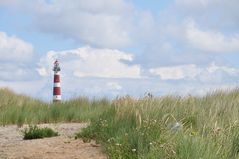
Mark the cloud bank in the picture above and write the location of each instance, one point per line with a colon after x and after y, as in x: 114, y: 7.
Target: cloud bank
x: 121, y: 49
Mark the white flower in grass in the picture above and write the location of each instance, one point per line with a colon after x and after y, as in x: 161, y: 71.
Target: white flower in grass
x: 176, y: 127
x: 134, y: 150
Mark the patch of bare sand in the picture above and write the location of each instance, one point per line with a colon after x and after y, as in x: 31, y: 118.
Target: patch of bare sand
x: 12, y: 145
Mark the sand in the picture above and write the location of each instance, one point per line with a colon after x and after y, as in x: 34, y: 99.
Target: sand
x: 12, y: 145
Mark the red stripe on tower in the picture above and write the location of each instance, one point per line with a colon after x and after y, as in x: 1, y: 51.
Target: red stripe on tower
x: 56, y: 78
x: 57, y: 91
x: 57, y: 84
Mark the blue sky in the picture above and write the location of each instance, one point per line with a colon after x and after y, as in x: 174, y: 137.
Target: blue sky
x: 110, y: 48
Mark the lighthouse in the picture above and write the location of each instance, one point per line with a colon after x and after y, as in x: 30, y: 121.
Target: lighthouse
x: 57, y: 83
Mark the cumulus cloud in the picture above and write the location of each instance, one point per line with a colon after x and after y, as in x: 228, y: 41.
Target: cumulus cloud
x: 211, y: 73
x: 103, y: 23
x: 14, y: 49
x: 15, y: 59
x: 230, y: 70
x: 172, y: 54
x: 211, y: 41
x: 91, y: 62
x: 176, y: 72
x: 89, y: 71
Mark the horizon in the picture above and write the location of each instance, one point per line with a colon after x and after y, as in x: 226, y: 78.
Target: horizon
x: 122, y: 47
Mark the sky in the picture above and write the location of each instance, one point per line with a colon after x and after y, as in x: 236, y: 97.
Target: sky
x: 111, y: 48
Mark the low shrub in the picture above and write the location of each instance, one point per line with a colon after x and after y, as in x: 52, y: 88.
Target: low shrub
x: 34, y: 132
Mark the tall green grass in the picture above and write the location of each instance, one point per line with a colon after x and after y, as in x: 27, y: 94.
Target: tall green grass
x: 19, y: 109
x: 142, y: 128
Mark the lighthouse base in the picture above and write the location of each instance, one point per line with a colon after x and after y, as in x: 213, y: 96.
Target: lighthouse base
x: 56, y: 101
x: 57, y: 98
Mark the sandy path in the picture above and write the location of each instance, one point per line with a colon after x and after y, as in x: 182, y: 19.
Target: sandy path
x: 12, y: 145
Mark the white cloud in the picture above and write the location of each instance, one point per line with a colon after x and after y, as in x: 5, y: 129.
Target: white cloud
x: 16, y: 56
x: 114, y: 24
x: 211, y: 41
x: 14, y: 49
x: 230, y: 70
x: 91, y: 62
x: 210, y: 73
x: 103, y: 23
x: 176, y: 72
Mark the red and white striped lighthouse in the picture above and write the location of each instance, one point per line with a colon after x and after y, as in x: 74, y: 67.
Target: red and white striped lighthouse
x: 57, y: 83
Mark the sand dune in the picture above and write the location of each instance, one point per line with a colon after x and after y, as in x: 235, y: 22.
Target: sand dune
x: 12, y: 145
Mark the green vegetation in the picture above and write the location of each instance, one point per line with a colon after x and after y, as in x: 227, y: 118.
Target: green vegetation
x: 34, y: 132
x: 19, y: 109
x: 144, y: 128
x: 170, y: 127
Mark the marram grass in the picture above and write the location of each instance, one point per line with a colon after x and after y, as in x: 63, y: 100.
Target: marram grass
x: 170, y: 127
x: 19, y: 109
x: 142, y: 128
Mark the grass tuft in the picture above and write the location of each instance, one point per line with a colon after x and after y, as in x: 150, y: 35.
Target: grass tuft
x: 34, y: 132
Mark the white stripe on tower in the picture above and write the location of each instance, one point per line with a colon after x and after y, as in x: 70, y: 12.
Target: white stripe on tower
x: 57, y: 84
x: 56, y: 97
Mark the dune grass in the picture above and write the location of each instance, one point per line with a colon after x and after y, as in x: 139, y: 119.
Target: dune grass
x: 169, y: 127
x: 19, y: 109
x: 142, y: 128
